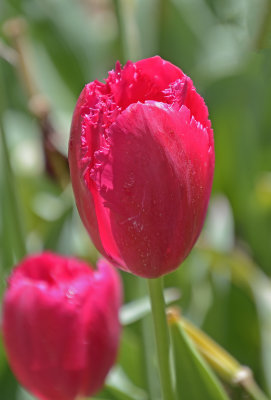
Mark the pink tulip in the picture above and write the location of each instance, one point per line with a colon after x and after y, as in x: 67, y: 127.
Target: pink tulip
x: 141, y: 157
x: 60, y: 325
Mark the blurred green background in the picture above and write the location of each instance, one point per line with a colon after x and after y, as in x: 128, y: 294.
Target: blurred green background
x: 46, y: 57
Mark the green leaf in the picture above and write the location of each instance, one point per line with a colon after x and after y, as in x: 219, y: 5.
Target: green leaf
x: 194, y: 379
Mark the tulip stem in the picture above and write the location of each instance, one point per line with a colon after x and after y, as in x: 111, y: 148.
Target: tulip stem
x: 162, y: 337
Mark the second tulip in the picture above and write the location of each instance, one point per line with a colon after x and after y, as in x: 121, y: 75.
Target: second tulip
x: 60, y: 325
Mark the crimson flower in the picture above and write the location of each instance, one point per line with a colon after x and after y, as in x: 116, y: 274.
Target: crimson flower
x: 60, y: 325
x: 141, y: 157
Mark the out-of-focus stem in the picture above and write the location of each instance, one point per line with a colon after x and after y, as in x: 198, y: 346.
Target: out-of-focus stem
x: 128, y: 29
x: 162, y: 4
x: 265, y: 27
x: 19, y: 245
x: 15, y: 219
x: 251, y: 387
x: 15, y: 30
x: 121, y: 39
x: 55, y: 162
x: 226, y: 366
x: 162, y: 337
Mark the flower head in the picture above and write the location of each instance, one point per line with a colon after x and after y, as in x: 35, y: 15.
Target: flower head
x: 60, y: 325
x: 141, y: 157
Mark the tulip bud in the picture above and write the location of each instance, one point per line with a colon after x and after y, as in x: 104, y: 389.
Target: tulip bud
x: 60, y: 325
x: 141, y: 157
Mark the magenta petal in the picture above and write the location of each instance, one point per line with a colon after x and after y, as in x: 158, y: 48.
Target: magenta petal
x: 89, y: 207
x: 141, y: 81
x: 142, y: 159
x: 162, y: 71
x: 60, y: 325
x: 157, y: 160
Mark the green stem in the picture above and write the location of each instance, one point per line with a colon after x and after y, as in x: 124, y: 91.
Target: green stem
x: 162, y: 336
x: 15, y: 218
x: 19, y: 246
x: 148, y: 346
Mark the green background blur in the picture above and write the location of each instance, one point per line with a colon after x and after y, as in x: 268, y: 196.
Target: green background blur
x: 224, y: 46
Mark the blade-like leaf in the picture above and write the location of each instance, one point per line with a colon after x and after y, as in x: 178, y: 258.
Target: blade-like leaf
x: 194, y: 379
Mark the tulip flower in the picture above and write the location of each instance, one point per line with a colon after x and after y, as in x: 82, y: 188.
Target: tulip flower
x: 141, y: 157
x: 60, y: 325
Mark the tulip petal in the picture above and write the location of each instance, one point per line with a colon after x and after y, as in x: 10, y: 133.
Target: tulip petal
x: 60, y: 325
x: 149, y: 182
x: 161, y: 70
x: 141, y: 81
x: 142, y: 160
x: 80, y: 157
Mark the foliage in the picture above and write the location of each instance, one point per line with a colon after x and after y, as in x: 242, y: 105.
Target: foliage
x: 224, y: 46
